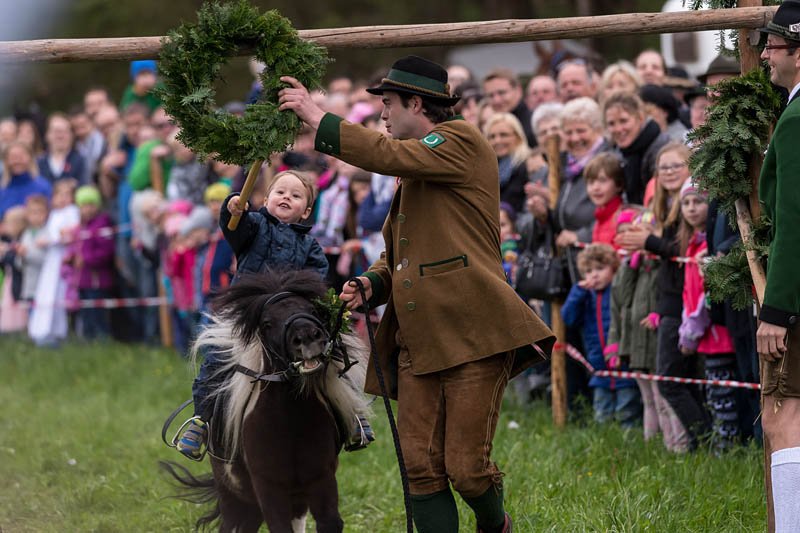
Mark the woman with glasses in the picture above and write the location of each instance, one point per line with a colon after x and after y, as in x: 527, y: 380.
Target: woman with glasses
x: 685, y: 400
x: 636, y: 138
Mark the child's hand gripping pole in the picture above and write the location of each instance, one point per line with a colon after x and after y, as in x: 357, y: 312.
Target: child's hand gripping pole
x: 247, y: 190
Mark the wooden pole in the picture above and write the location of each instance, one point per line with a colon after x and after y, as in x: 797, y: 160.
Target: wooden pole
x: 745, y: 228
x: 750, y: 60
x: 495, y: 31
x: 558, y: 361
x: 749, y: 56
x: 164, y: 318
x: 247, y: 190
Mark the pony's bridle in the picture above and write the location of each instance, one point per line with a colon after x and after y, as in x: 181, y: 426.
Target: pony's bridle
x: 291, y: 369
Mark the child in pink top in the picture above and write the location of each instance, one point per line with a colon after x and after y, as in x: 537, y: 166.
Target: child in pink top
x: 697, y: 334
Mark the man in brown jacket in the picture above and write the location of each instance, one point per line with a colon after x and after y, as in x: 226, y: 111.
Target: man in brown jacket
x: 454, y: 331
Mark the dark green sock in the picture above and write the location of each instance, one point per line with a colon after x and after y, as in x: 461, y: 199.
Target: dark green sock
x: 435, y: 513
x: 488, y: 508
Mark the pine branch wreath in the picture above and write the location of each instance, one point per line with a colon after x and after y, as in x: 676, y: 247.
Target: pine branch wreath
x: 190, y: 62
x: 736, y: 130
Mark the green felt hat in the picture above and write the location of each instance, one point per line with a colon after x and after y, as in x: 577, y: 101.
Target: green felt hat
x: 417, y: 75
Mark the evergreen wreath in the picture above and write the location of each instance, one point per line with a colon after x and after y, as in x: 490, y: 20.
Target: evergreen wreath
x: 190, y: 61
x: 736, y: 130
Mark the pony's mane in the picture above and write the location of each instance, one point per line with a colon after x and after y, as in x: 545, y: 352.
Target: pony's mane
x: 234, y: 334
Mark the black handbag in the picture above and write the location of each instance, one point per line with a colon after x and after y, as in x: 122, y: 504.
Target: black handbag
x: 541, y: 275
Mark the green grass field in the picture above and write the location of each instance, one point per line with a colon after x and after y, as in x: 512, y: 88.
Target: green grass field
x: 80, y: 441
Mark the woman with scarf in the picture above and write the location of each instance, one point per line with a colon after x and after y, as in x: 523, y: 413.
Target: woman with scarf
x: 506, y: 136
x: 637, y: 139
x: 582, y: 134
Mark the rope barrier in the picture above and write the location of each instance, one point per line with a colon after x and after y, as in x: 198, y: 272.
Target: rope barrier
x: 578, y: 356
x: 626, y: 253
x: 101, y: 303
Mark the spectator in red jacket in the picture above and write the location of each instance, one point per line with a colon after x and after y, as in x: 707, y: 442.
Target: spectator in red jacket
x: 604, y: 185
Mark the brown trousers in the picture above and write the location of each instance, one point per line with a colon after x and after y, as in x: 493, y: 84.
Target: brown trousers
x: 779, y: 379
x: 447, y: 421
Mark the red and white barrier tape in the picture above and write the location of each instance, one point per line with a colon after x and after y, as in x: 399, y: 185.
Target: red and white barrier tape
x: 625, y: 253
x: 109, y: 231
x: 578, y: 356
x: 103, y: 303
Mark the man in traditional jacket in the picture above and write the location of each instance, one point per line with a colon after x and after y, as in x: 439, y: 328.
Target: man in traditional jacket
x: 454, y: 331
x: 778, y: 335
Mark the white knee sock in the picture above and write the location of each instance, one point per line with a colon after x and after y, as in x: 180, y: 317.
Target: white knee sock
x: 785, y: 489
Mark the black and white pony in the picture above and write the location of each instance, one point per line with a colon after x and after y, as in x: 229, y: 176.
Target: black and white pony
x: 286, y: 411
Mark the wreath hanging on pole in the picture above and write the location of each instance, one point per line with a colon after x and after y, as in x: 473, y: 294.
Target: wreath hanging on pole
x: 190, y: 62
x: 736, y: 129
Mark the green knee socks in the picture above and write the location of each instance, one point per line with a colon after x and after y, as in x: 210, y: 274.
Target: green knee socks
x: 488, y: 508
x: 435, y: 513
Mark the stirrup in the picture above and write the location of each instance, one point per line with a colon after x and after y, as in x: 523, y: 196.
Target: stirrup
x: 179, y: 434
x: 363, y: 433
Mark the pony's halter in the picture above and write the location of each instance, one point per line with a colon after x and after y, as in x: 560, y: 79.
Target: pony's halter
x: 283, y: 354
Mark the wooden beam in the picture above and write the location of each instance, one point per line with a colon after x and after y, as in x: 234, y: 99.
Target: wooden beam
x: 497, y: 31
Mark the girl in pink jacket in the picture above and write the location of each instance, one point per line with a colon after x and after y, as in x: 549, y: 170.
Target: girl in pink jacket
x: 698, y: 336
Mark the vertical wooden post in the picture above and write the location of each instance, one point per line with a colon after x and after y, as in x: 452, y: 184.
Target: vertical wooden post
x: 164, y: 318
x: 750, y: 59
x: 558, y: 361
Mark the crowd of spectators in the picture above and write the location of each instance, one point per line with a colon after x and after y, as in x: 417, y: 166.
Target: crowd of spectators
x: 105, y: 202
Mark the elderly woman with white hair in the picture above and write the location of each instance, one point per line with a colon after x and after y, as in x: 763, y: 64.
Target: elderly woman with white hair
x: 581, y: 130
x: 546, y: 121
x: 580, y: 125
x: 507, y: 138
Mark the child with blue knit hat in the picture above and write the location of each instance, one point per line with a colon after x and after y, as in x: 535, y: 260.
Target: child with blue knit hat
x: 143, y: 81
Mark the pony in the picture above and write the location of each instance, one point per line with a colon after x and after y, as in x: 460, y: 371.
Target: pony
x: 286, y: 409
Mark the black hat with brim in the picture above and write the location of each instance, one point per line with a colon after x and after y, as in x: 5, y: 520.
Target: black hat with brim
x: 416, y: 75
x: 786, y: 22
x: 694, y: 92
x: 660, y: 97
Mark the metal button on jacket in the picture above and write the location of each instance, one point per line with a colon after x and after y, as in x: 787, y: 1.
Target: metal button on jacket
x: 407, y: 283
x: 403, y: 242
x: 411, y: 306
x: 404, y: 262
x: 401, y: 218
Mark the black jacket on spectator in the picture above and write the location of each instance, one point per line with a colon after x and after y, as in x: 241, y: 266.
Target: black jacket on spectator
x: 524, y: 115
x: 670, y: 273
x: 513, y: 191
x: 639, y: 160
x: 75, y: 167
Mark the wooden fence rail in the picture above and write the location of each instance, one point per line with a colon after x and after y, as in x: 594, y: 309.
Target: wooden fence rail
x: 497, y: 31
